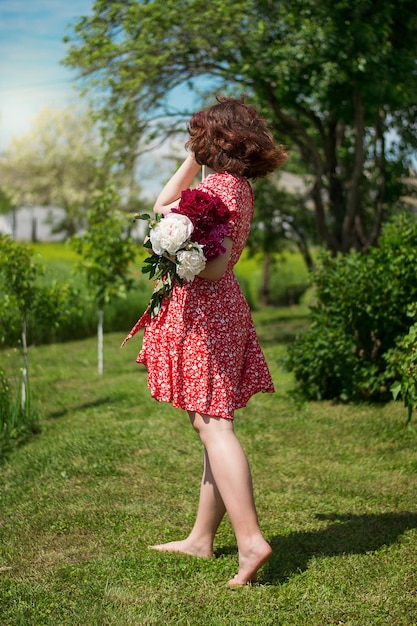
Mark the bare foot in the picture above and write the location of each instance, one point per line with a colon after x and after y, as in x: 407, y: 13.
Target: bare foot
x: 184, y: 547
x: 251, y: 562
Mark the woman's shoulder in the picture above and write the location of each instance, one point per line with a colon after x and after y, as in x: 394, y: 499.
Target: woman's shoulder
x: 229, y: 177
x: 235, y: 191
x: 226, y: 181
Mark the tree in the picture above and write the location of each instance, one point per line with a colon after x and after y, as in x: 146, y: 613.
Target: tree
x: 21, y: 291
x: 336, y: 80
x: 106, y: 255
x: 281, y: 218
x: 59, y: 163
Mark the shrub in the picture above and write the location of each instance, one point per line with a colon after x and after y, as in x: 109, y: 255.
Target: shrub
x: 360, y: 312
x: 402, y: 360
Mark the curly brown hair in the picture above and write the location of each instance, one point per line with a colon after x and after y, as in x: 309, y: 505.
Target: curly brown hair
x: 232, y: 137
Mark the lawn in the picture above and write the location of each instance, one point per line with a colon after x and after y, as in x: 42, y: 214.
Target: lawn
x: 113, y: 471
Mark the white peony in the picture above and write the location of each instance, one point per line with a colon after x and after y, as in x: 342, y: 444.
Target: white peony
x: 170, y: 233
x: 190, y: 262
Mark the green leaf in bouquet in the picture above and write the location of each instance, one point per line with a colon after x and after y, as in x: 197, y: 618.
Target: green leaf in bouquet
x: 159, y: 288
x: 156, y: 302
x: 155, y: 270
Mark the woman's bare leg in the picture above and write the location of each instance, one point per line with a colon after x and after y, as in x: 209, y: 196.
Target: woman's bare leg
x: 231, y: 474
x: 209, y: 515
x: 210, y: 511
x: 226, y: 485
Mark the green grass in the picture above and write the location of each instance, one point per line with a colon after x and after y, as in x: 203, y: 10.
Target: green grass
x: 113, y: 471
x: 58, y: 258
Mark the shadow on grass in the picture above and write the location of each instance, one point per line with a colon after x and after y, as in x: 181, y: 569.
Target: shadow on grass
x: 79, y: 407
x: 347, y: 534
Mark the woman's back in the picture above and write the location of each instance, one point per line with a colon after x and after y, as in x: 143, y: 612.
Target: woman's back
x: 236, y: 193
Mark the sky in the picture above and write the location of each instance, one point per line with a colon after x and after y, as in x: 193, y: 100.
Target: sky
x: 32, y: 76
x: 31, y: 50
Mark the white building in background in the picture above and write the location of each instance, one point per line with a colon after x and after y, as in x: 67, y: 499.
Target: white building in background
x: 37, y: 223
x: 5, y: 227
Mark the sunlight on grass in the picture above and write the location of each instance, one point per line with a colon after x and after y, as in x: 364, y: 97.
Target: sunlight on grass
x: 113, y: 471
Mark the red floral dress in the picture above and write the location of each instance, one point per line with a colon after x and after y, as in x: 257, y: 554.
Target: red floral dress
x: 201, y: 350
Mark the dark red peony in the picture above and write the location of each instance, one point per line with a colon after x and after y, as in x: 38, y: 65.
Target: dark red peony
x: 209, y: 216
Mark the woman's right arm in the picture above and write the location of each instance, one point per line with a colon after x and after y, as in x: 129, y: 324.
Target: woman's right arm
x: 180, y: 181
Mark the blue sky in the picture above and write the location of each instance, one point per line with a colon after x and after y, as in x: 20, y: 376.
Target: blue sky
x: 31, y: 48
x: 32, y: 76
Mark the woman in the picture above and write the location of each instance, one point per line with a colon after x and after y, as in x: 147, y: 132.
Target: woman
x: 201, y: 350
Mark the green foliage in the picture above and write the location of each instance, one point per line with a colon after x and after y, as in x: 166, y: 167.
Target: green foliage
x: 75, y: 318
x: 21, y: 293
x: 58, y: 163
x: 288, y: 282
x: 332, y: 78
x: 18, y: 274
x: 6, y: 203
x: 402, y: 360
x: 106, y: 252
x: 360, y: 313
x: 72, y: 316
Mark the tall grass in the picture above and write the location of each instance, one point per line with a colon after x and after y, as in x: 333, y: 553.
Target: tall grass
x: 18, y: 421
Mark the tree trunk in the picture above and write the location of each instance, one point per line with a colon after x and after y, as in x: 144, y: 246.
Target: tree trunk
x: 24, y: 396
x: 34, y: 234
x: 100, y: 340
x: 380, y: 164
x: 353, y: 201
x: 14, y: 221
x: 265, y: 279
x: 305, y: 252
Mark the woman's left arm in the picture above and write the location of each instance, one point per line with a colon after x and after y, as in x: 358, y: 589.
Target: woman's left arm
x: 216, y: 268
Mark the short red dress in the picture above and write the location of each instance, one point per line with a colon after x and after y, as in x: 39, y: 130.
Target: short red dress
x: 201, y: 350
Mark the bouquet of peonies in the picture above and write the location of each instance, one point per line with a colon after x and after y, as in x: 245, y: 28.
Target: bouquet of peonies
x: 183, y: 241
